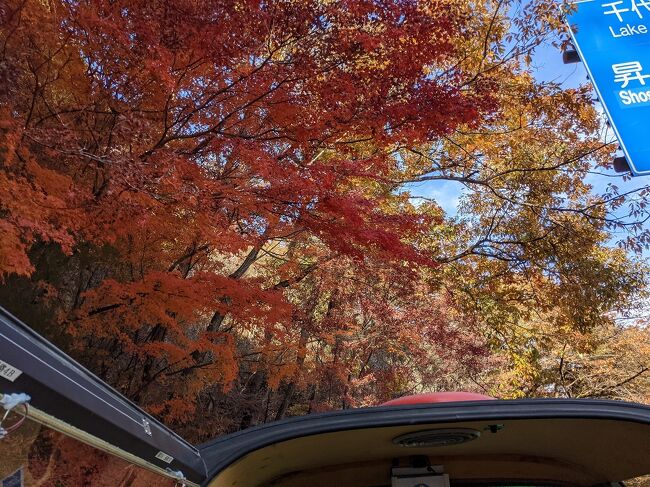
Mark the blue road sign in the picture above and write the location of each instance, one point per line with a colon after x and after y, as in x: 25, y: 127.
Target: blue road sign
x: 613, y: 40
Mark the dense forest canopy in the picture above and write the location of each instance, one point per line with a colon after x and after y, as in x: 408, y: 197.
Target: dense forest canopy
x: 210, y: 204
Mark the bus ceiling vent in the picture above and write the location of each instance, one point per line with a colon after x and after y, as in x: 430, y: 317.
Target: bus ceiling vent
x: 438, y: 397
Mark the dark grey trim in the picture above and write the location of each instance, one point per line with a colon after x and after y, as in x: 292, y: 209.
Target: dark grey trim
x: 64, y: 389
x: 223, y: 451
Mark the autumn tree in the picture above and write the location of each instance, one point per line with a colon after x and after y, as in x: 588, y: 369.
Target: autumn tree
x: 211, y: 204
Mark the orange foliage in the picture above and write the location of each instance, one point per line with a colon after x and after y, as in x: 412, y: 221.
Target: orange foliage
x: 170, y: 150
x: 203, y: 199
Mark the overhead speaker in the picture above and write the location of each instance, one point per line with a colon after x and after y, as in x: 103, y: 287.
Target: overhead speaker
x: 437, y: 437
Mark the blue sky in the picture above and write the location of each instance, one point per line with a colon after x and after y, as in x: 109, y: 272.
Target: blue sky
x: 547, y: 66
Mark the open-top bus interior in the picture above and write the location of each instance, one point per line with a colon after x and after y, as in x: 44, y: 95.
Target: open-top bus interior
x: 512, y: 452
x: 64, y: 427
